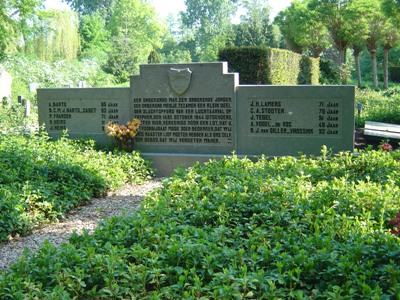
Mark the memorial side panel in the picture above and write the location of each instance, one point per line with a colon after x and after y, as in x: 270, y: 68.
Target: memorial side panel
x: 290, y: 120
x: 82, y: 112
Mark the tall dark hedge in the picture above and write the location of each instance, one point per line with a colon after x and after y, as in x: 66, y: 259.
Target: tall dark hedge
x: 394, y: 74
x: 249, y: 62
x: 263, y: 65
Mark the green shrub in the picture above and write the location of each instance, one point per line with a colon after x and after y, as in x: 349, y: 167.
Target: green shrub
x: 42, y: 180
x: 27, y: 70
x: 329, y: 71
x: 287, y: 228
x: 379, y: 106
x: 13, y: 119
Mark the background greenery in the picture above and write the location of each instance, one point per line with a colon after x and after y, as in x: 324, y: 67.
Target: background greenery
x: 111, y: 38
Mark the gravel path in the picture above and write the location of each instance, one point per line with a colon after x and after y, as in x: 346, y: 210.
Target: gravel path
x: 86, y: 217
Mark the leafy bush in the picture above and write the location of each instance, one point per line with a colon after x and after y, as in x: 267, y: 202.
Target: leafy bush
x: 13, y: 119
x: 42, y: 180
x: 26, y: 71
x: 285, y: 228
x: 379, y: 106
x: 329, y: 72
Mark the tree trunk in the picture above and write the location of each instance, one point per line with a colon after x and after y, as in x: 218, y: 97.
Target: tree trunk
x: 342, y: 65
x: 358, y: 69
x: 374, y: 69
x: 386, y: 68
x: 341, y: 57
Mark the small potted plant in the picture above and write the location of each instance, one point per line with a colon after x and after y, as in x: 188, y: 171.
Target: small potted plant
x: 124, y: 134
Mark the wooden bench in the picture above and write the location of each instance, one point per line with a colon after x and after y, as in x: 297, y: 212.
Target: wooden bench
x: 381, y: 131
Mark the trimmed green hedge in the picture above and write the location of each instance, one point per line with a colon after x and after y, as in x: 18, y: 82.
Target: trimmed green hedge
x: 309, y: 71
x: 250, y: 62
x: 283, y: 67
x: 262, y: 65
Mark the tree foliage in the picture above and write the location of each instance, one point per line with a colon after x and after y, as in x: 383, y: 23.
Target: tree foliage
x: 377, y: 25
x: 90, y: 7
x: 210, y: 25
x: 391, y: 8
x: 120, y: 34
x: 25, y: 10
x: 175, y: 47
x: 15, y: 19
x: 56, y: 36
x: 255, y: 28
x: 360, y: 32
x: 95, y: 38
x: 135, y: 31
x: 303, y: 30
x: 332, y: 14
x: 154, y: 57
x: 7, y: 29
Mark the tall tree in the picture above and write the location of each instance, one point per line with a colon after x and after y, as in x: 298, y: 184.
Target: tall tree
x: 276, y: 37
x: 391, y: 9
x: 210, y: 24
x: 358, y: 32
x: 174, y: 49
x: 391, y: 37
x: 90, y: 7
x: 136, y: 31
x: 332, y: 14
x: 288, y: 26
x: 302, y: 29
x: 95, y: 38
x: 15, y: 23
x: 7, y: 29
x: 255, y: 28
x: 25, y: 10
x: 377, y: 23
x: 56, y: 35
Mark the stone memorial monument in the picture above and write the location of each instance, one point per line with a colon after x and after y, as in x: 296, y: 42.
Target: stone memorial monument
x: 194, y: 112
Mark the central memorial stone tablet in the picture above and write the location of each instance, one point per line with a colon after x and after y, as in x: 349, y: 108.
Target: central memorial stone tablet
x: 194, y: 112
x: 185, y: 109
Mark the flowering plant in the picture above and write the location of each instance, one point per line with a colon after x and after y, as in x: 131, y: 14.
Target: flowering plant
x: 124, y: 134
x: 396, y: 224
x: 386, y: 147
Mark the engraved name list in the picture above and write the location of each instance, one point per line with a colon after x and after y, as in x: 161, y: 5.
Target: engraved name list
x: 185, y: 120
